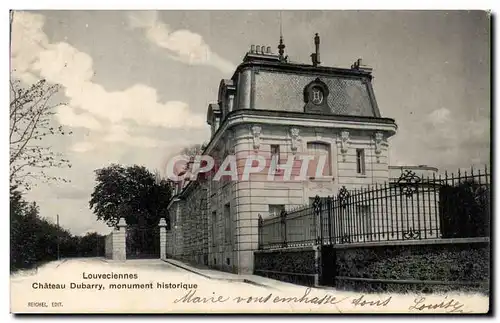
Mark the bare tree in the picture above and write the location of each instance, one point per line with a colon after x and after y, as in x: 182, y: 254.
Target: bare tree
x: 31, y: 113
x: 193, y: 150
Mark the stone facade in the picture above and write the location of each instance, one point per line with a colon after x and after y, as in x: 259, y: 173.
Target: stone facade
x: 292, y: 110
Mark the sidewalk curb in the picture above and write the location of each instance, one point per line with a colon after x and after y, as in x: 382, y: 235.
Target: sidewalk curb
x: 241, y: 280
x: 186, y: 268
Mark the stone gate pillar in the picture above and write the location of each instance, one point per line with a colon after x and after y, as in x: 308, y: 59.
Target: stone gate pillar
x: 119, y: 241
x: 163, y: 238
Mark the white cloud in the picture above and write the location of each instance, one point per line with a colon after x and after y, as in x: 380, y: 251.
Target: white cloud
x: 28, y: 40
x: 439, y: 116
x: 120, y: 134
x: 183, y: 45
x: 67, y: 116
x: 82, y: 147
x: 62, y: 63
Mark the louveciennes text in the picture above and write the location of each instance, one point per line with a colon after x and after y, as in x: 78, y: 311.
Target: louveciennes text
x: 85, y: 286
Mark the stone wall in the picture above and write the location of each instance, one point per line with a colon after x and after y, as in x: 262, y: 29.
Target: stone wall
x: 115, y: 245
x: 108, y: 251
x: 221, y: 242
x: 294, y: 265
x: 414, y: 266
x: 194, y: 225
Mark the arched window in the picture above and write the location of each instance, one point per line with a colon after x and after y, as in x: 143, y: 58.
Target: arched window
x: 316, y: 150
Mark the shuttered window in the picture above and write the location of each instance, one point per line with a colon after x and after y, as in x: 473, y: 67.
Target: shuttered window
x: 317, y: 149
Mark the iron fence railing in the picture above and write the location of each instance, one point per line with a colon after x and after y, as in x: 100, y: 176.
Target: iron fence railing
x: 410, y: 207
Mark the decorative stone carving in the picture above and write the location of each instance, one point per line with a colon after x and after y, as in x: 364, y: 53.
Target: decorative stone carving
x: 294, y: 133
x: 344, y: 142
x: 379, y: 137
x: 316, y: 97
x: 256, y: 130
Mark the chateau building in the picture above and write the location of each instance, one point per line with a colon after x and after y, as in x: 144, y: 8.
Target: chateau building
x: 282, y: 112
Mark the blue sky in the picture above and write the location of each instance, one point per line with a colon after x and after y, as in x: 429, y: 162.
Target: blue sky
x: 138, y: 83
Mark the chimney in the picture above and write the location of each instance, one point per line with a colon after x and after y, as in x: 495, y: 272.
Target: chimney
x: 281, y: 50
x: 263, y: 49
x: 316, y: 43
x: 252, y: 49
x: 269, y: 49
x: 358, y: 65
x: 315, y: 56
x: 258, y: 49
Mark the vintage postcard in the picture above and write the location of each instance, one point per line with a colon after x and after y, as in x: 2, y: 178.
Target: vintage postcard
x: 328, y: 161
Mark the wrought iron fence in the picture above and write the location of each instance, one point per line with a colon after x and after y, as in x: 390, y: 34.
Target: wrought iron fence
x: 410, y: 207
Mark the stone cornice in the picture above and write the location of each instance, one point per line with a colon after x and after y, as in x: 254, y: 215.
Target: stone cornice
x: 299, y: 119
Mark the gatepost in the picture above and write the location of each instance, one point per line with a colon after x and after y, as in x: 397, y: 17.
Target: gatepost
x: 119, y: 241
x: 163, y: 238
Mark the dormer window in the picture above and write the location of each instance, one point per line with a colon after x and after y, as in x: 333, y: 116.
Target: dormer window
x: 227, y: 90
x: 214, y: 117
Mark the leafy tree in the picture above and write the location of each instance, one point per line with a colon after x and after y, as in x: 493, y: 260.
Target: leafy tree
x: 133, y: 192
x: 34, y: 240
x: 31, y: 113
x: 91, y: 244
x: 465, y: 209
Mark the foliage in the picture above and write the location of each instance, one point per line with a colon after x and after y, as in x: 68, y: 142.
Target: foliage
x: 465, y: 210
x: 133, y: 192
x: 34, y: 240
x: 190, y: 153
x: 31, y: 111
x: 446, y: 262
x: 193, y: 150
